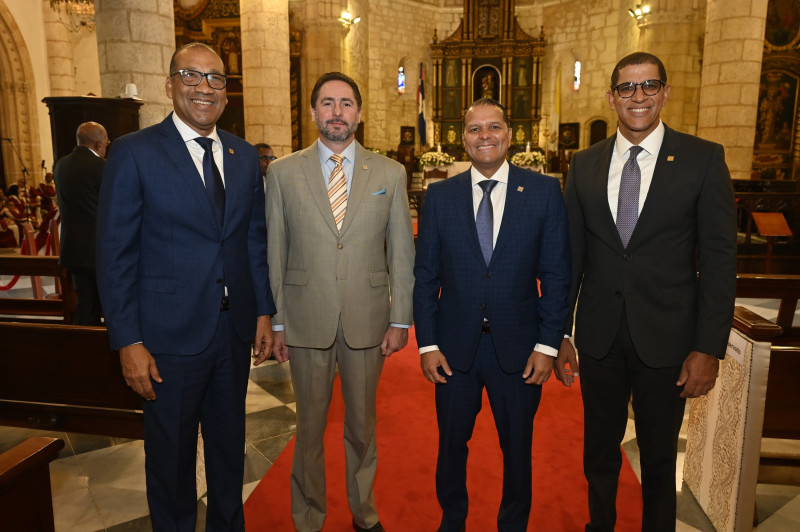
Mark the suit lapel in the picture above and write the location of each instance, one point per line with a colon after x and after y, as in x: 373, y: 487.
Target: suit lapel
x: 599, y: 187
x: 358, y: 187
x: 514, y: 198
x: 466, y: 213
x: 312, y: 170
x: 662, y: 177
x: 176, y: 150
x: 234, y: 184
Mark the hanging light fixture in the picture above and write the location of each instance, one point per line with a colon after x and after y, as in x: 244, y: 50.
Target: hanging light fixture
x: 75, y: 14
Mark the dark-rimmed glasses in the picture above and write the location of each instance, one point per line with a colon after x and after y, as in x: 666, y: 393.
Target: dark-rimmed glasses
x: 267, y: 157
x: 651, y: 87
x: 193, y: 78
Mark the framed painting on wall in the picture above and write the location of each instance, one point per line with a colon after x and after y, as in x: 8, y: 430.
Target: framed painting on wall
x: 568, y: 136
x: 407, y: 135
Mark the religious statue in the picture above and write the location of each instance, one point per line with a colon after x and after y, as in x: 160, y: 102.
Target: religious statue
x: 487, y: 86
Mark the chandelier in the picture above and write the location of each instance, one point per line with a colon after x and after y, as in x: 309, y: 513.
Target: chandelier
x: 75, y: 14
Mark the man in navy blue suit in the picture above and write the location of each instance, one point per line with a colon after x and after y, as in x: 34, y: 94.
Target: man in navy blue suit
x: 183, y: 278
x: 485, y: 237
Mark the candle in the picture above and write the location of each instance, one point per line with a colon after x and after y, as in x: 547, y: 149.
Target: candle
x: 528, y: 148
x: 439, y: 148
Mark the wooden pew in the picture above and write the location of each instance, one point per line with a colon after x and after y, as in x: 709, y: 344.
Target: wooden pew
x: 55, y: 376
x: 779, y: 459
x: 26, y: 502
x: 62, y: 307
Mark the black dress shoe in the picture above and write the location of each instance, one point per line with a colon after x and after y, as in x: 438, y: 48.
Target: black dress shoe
x: 377, y: 527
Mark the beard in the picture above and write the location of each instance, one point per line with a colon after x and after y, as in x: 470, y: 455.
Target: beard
x: 336, y: 136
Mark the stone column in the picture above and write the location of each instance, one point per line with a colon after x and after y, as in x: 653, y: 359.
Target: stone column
x: 265, y: 78
x: 673, y: 32
x: 59, y: 54
x: 321, y: 53
x: 135, y: 41
x: 734, y: 44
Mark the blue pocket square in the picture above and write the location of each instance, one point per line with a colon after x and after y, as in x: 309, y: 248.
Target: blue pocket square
x: 379, y: 193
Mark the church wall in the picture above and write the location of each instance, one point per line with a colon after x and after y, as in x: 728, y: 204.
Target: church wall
x: 401, y: 32
x: 87, y: 65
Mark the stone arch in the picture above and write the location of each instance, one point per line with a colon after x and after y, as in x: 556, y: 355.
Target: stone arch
x: 18, y: 114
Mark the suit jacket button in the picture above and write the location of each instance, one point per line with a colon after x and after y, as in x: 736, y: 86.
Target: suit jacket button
x: 219, y: 281
x: 489, y: 275
x: 626, y: 257
x: 339, y: 246
x: 618, y: 293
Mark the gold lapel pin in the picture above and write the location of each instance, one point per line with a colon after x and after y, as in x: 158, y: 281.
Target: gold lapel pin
x: 670, y: 158
x: 364, y: 167
x: 230, y: 150
x: 520, y: 189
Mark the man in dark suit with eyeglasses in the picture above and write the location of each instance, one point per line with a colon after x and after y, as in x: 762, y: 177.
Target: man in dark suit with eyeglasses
x: 653, y: 228
x: 183, y: 276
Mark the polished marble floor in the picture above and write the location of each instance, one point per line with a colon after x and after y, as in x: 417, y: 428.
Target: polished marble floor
x: 98, y: 482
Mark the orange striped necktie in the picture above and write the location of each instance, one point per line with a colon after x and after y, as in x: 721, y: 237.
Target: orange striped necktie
x: 337, y: 190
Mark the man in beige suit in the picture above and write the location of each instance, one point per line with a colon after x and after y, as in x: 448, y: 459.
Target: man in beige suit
x: 339, y: 242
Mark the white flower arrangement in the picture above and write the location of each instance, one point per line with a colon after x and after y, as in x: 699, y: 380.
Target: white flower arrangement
x: 436, y: 158
x: 528, y: 158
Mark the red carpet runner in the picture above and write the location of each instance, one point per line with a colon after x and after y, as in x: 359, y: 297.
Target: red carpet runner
x: 407, y: 439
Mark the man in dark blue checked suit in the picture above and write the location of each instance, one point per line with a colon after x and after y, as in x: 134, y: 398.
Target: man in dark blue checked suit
x: 485, y: 237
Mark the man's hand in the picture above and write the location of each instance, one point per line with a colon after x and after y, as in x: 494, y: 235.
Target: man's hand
x: 262, y: 345
x: 279, y: 350
x: 538, y: 368
x: 430, y: 362
x: 395, y: 339
x: 138, y: 367
x: 566, y: 355
x: 698, y: 374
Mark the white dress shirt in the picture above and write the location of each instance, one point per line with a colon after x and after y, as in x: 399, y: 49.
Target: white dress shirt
x: 646, y: 159
x: 196, y: 150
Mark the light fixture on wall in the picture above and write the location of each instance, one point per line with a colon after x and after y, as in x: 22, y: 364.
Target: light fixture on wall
x: 75, y: 14
x: 639, y: 11
x: 348, y: 19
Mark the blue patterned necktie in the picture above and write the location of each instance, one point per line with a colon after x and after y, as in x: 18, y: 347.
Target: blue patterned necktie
x: 484, y: 221
x: 215, y: 189
x: 628, y: 202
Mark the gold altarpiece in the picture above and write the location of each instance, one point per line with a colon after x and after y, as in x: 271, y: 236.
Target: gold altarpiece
x: 488, y: 56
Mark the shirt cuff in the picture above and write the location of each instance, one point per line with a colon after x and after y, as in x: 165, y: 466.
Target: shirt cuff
x: 428, y: 349
x: 400, y: 325
x: 276, y: 328
x: 546, y: 349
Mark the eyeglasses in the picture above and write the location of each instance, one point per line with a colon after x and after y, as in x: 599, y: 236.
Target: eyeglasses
x: 651, y: 87
x: 267, y: 157
x: 193, y: 78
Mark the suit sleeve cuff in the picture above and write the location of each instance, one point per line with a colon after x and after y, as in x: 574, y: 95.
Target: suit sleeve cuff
x: 547, y: 350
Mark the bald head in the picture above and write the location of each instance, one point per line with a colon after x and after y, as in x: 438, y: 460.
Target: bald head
x: 93, y: 136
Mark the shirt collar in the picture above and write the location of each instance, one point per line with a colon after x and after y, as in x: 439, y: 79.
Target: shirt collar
x: 188, y: 133
x: 325, y: 152
x: 501, y: 175
x: 651, y: 144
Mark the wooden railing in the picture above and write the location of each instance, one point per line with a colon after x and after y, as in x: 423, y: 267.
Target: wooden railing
x: 55, y: 376
x: 25, y: 500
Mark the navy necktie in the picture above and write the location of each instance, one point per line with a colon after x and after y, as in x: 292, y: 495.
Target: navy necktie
x: 484, y: 221
x: 215, y: 189
x: 628, y: 201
